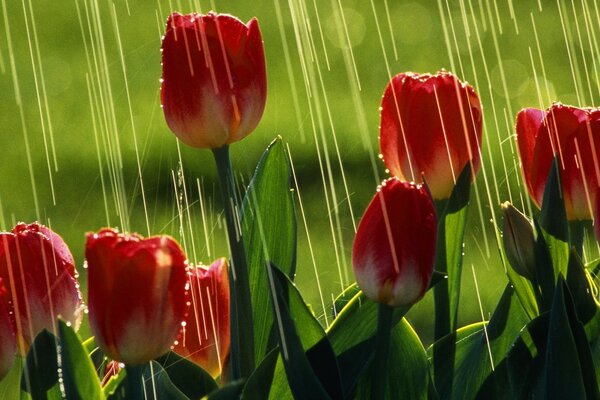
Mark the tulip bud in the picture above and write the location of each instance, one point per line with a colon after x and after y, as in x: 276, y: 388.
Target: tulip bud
x: 214, y: 83
x: 7, y: 335
x: 430, y: 129
x: 394, y: 248
x: 205, y: 338
x: 519, y: 241
x: 137, y: 294
x: 572, y: 134
x: 39, y: 274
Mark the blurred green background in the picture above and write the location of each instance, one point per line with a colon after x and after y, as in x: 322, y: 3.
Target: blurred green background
x: 85, y: 144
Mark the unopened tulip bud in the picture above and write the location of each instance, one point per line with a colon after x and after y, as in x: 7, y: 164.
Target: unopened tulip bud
x: 394, y: 248
x: 519, y: 241
x: 137, y: 294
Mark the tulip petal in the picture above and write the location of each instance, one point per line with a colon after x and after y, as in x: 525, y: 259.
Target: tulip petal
x: 205, y: 338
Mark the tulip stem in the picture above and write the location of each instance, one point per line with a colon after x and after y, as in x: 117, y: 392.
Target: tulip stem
x: 242, y: 330
x: 135, y: 382
x: 381, y: 357
x: 440, y: 291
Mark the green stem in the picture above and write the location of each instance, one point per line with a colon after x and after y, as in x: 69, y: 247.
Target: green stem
x: 382, y: 348
x: 242, y: 330
x: 440, y: 291
x: 441, y: 298
x: 135, y: 382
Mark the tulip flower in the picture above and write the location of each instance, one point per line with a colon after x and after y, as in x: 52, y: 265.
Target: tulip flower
x: 39, y: 274
x: 214, y: 83
x: 572, y: 134
x: 204, y: 338
x: 394, y: 248
x: 430, y: 129
x: 518, y: 238
x: 7, y: 334
x: 137, y: 294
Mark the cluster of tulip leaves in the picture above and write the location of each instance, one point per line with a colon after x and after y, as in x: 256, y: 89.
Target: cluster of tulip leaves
x: 542, y: 339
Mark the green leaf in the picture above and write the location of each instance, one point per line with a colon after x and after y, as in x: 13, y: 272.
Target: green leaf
x: 578, y: 282
x: 553, y: 220
x: 269, y: 231
x: 40, y: 373
x: 78, y: 373
x: 10, y: 387
x: 231, y: 391
x: 553, y: 217
x: 188, y: 377
x: 352, y: 336
x: 280, y: 389
x: 524, y: 362
x: 465, y: 360
x: 157, y: 384
x: 408, y: 368
x: 259, y: 383
x: 303, y: 379
x: 563, y: 376
x: 545, y: 265
x: 451, y: 230
x: 356, y: 323
x: 524, y: 291
x: 343, y: 299
x: 551, y: 357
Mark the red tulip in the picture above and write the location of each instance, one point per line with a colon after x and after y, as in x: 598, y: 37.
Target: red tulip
x: 137, y: 294
x: 573, y: 134
x: 7, y: 334
x: 394, y: 248
x: 39, y: 274
x: 430, y: 129
x: 214, y: 83
x: 205, y: 336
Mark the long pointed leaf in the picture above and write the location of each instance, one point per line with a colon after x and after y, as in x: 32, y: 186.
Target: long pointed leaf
x: 79, y: 376
x: 451, y: 230
x: 269, y: 230
x: 460, y: 374
x: 302, y: 378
